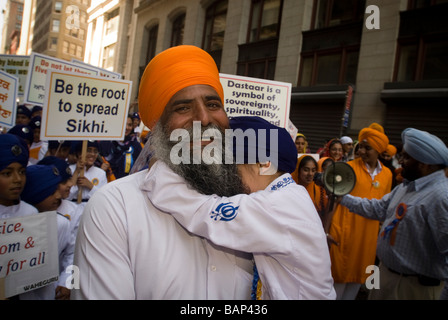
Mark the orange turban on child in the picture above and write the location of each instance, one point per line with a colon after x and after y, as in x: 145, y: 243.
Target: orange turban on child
x: 377, y: 140
x: 170, y: 71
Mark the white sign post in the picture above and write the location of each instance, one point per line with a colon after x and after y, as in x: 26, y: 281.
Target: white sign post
x: 8, y: 96
x: 28, y: 253
x: 266, y: 99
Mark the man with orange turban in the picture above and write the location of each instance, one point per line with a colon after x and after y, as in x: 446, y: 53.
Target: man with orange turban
x: 126, y: 247
x: 355, y: 235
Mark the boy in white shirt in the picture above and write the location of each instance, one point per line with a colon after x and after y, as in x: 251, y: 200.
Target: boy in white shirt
x: 277, y: 222
x: 13, y: 164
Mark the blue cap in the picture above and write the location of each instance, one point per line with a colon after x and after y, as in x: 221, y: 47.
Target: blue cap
x: 23, y: 109
x: 13, y: 149
x: 23, y: 131
x: 281, y: 152
x: 41, y: 182
x: 60, y: 164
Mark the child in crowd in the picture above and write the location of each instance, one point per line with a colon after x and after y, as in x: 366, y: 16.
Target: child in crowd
x: 277, y: 222
x: 41, y: 191
x: 93, y: 177
x: 67, y: 208
x: 13, y: 164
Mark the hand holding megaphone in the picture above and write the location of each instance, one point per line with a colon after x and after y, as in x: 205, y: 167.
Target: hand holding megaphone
x: 338, y: 179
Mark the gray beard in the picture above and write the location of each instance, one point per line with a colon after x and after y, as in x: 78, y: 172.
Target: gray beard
x: 220, y: 179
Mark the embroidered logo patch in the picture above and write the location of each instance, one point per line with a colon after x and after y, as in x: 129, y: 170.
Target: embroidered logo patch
x: 224, y: 212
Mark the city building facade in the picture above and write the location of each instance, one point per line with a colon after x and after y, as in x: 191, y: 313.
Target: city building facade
x: 350, y: 62
x: 375, y: 61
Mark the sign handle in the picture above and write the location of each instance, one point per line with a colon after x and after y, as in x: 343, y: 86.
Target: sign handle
x: 81, y: 174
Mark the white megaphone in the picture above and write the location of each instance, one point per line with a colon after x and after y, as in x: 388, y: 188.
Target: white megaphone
x: 338, y: 179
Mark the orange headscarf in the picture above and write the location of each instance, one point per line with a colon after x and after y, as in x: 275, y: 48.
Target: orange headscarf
x: 377, y: 140
x: 170, y: 71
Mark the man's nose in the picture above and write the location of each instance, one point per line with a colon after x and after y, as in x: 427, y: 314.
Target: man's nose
x: 202, y: 114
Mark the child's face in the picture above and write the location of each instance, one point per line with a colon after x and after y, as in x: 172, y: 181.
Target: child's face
x: 64, y: 188
x: 12, y: 182
x: 50, y: 203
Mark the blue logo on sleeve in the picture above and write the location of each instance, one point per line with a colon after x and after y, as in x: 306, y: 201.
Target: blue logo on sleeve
x: 224, y: 212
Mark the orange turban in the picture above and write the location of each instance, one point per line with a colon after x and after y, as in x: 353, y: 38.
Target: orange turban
x: 391, y: 150
x: 377, y: 140
x: 377, y: 126
x: 170, y: 71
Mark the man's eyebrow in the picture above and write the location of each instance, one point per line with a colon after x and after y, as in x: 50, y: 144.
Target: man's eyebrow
x: 213, y: 97
x: 181, y: 101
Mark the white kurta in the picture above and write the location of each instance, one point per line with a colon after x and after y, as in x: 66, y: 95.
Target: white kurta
x: 21, y: 209
x: 279, y: 225
x: 128, y: 249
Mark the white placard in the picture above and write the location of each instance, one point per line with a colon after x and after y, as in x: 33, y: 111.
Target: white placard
x: 244, y: 96
x: 81, y: 107
x: 101, y: 72
x: 37, y: 75
x: 8, y: 97
x: 28, y: 252
x: 18, y: 67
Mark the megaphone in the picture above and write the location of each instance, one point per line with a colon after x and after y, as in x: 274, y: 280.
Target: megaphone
x: 338, y: 179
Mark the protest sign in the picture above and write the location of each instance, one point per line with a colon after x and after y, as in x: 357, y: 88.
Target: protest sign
x: 244, y: 96
x: 101, y: 72
x: 37, y: 75
x: 80, y: 107
x: 8, y: 97
x: 18, y: 67
x: 28, y: 253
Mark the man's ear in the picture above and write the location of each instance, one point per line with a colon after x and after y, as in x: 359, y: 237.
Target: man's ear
x: 267, y: 169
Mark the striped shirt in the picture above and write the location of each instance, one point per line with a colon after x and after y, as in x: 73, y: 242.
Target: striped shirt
x: 419, y: 244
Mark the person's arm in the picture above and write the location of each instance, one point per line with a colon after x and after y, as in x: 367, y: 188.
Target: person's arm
x: 375, y: 209
x: 101, y: 251
x: 242, y: 222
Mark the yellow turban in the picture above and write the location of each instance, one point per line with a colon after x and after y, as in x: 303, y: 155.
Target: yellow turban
x: 377, y: 140
x: 170, y: 71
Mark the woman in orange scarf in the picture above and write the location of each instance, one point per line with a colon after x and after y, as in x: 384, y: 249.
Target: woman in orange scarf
x: 356, y: 236
x: 304, y: 175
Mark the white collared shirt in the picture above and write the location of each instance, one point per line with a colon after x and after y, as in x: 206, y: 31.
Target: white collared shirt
x: 128, y: 249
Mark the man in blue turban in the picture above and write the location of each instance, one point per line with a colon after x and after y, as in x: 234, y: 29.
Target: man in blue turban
x: 413, y: 242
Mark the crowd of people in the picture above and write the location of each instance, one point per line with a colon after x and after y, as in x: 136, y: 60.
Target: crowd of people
x: 272, y: 234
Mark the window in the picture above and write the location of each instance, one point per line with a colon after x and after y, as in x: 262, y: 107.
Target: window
x: 112, y: 21
x: 53, y: 43
x: 177, y: 37
x: 422, y: 59
x: 215, y: 26
x: 329, y: 67
x: 108, y: 57
x: 264, y: 22
x: 58, y: 7
x: 79, y: 51
x: 55, y: 27
x: 328, y: 13
x: 152, y: 43
x: 65, y: 47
